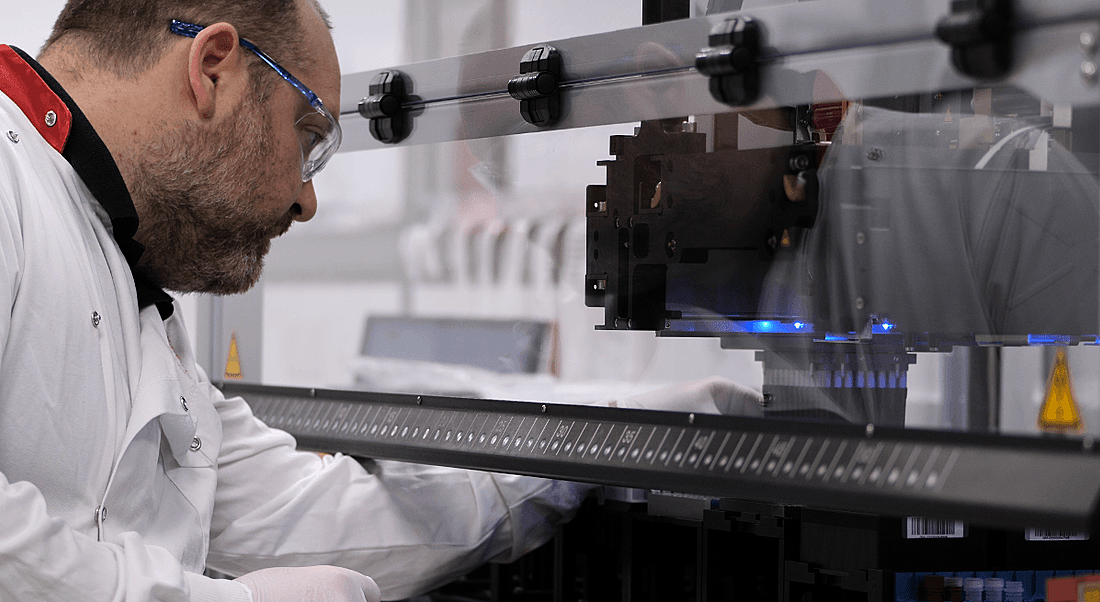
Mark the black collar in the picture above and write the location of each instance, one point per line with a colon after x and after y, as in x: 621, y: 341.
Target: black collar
x: 91, y: 160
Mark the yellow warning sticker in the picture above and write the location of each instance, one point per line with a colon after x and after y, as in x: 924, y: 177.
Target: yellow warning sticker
x: 1059, y: 411
x: 233, y: 364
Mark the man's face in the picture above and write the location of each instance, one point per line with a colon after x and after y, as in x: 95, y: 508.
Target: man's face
x: 212, y: 198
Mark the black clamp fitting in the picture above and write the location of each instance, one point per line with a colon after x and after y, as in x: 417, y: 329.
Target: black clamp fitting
x: 536, y: 87
x: 732, y: 61
x: 389, y: 122
x: 980, y: 35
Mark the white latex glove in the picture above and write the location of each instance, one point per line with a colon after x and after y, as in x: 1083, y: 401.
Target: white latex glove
x: 714, y: 395
x: 310, y: 584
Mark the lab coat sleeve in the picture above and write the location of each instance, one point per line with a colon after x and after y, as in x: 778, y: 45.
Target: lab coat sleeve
x: 42, y: 557
x: 43, y: 560
x: 409, y: 527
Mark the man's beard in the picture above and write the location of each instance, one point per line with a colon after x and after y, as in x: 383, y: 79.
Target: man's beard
x: 199, y: 192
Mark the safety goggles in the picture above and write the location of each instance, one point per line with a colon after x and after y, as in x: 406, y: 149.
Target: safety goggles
x: 319, y: 134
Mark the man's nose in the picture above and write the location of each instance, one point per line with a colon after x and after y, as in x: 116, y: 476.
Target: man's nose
x: 306, y: 204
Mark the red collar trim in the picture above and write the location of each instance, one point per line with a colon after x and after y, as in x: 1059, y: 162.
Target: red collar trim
x: 19, y: 82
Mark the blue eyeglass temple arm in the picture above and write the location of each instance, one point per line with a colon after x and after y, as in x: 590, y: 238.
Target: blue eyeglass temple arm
x: 191, y: 30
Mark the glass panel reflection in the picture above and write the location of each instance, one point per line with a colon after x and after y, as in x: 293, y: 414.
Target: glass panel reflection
x: 915, y: 260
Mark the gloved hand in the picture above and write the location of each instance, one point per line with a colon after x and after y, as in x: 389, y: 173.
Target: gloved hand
x: 714, y: 395
x: 310, y: 584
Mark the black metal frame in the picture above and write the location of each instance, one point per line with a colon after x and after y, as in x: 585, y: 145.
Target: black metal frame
x: 993, y: 480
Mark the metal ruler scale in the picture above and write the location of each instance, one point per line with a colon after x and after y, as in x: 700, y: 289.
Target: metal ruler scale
x: 1015, y: 482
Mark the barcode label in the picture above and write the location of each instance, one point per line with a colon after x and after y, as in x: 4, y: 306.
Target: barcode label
x: 919, y: 527
x: 1052, y: 535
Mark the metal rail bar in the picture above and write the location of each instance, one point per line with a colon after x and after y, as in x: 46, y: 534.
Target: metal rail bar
x: 867, y: 48
x: 1013, y: 482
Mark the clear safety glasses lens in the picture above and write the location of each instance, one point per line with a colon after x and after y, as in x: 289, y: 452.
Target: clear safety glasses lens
x: 317, y: 146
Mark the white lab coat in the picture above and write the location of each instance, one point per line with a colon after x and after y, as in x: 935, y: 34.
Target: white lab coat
x: 123, y: 472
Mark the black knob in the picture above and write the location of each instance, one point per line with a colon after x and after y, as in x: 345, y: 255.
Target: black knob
x: 388, y: 121
x: 732, y: 61
x: 536, y: 87
x: 533, y: 85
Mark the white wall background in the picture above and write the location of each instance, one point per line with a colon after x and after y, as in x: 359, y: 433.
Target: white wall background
x: 26, y: 25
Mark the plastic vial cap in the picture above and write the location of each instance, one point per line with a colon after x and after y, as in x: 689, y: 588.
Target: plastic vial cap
x: 1014, y: 586
x: 994, y: 588
x: 973, y: 589
x: 974, y: 583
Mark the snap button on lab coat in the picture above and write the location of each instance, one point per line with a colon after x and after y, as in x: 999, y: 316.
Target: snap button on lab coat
x: 196, y: 444
x: 101, y: 513
x: 51, y: 119
x: 13, y: 137
x: 183, y: 402
x: 95, y: 319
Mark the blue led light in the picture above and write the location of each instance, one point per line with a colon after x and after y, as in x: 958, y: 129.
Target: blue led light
x: 883, y: 328
x: 1048, y: 339
x: 742, y: 326
x: 773, y: 326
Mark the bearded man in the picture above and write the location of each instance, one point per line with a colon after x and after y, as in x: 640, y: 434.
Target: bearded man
x: 160, y: 145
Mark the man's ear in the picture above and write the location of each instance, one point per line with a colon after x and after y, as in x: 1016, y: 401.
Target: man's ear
x: 215, y: 53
